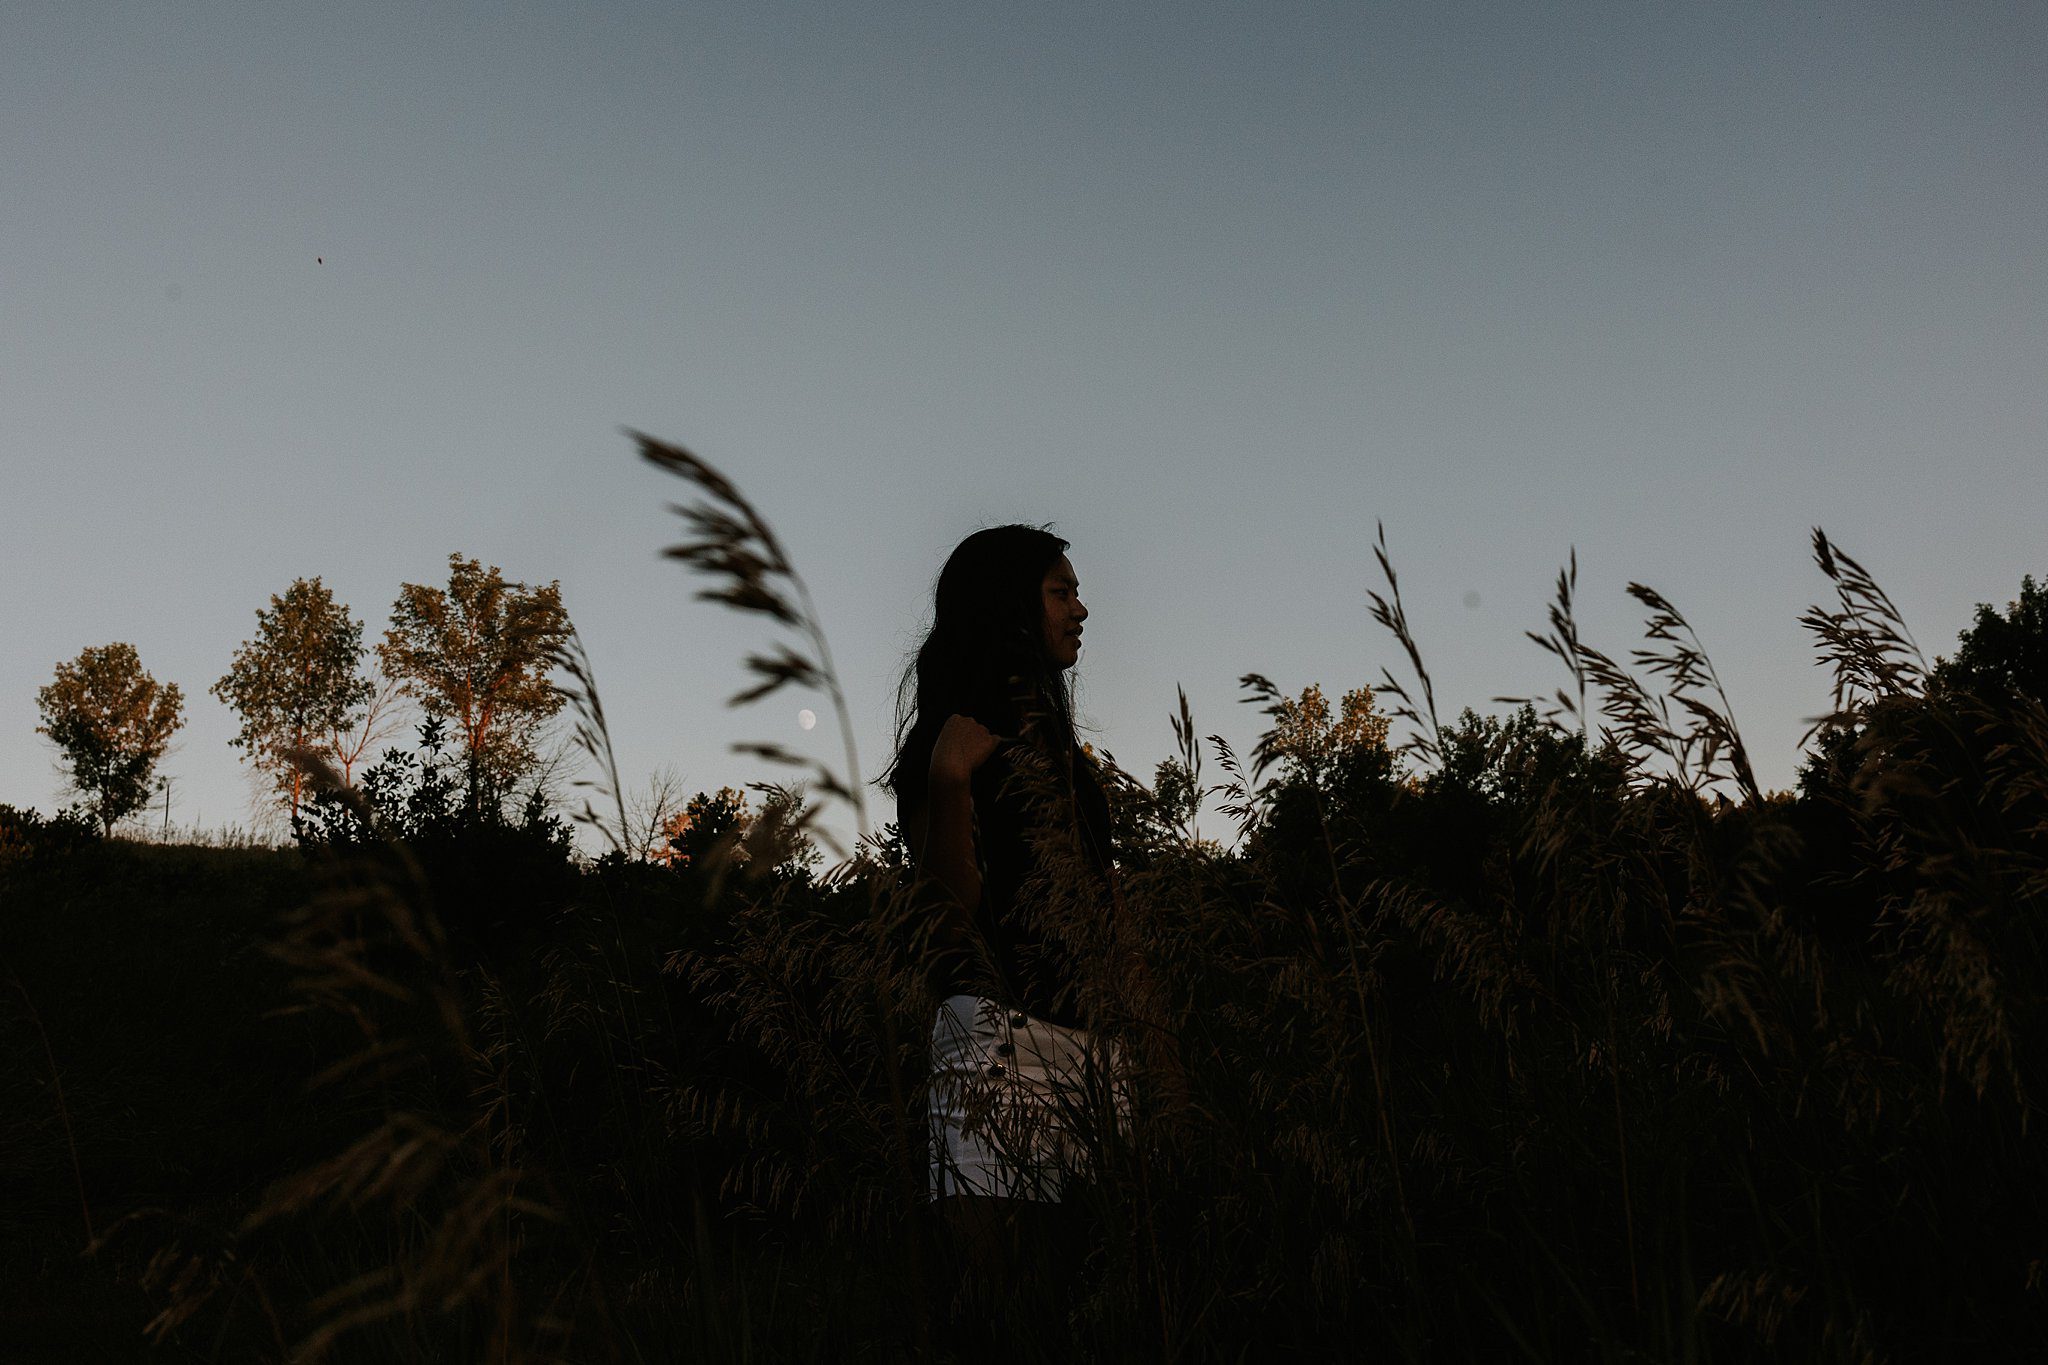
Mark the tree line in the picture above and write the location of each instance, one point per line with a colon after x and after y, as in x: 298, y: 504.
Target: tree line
x: 473, y: 655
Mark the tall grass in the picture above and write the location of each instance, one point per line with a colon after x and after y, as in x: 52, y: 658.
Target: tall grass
x: 1543, y: 1036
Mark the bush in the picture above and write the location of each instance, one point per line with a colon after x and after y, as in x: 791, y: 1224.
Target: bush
x: 26, y: 835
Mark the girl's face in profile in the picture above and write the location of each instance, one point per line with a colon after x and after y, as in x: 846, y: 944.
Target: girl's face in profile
x: 1064, y: 614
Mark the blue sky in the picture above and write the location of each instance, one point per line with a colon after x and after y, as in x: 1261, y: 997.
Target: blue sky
x: 1212, y: 288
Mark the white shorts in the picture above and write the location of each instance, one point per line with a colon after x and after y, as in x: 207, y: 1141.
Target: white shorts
x: 1011, y: 1097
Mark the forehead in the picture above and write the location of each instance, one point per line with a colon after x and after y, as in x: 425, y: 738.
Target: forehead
x: 1061, y: 574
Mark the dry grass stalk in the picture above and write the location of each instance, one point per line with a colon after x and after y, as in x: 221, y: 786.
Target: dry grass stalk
x: 732, y: 544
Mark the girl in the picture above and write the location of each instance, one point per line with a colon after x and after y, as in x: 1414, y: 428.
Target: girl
x: 1007, y: 826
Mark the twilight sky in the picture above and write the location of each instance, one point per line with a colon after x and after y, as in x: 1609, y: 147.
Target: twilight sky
x: 336, y: 290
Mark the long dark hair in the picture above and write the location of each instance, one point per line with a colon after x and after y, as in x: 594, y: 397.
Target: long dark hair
x: 985, y: 655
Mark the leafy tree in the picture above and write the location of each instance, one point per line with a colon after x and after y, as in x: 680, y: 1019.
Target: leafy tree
x: 477, y: 654
x: 297, y: 682
x: 720, y: 829
x: 690, y: 834
x: 1311, y: 742
x: 2003, y: 655
x: 112, y: 721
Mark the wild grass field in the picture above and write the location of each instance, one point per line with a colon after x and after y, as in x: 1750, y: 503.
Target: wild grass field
x: 1543, y: 1036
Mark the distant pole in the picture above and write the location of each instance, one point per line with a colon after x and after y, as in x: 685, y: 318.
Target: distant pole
x: 167, y: 809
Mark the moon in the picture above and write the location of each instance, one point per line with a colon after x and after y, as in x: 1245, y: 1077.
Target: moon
x: 806, y: 718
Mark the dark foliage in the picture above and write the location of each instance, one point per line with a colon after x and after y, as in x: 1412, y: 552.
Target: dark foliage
x: 495, y: 871
x: 27, y: 835
x: 2003, y: 655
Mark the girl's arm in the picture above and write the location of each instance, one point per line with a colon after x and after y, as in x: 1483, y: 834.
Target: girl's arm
x: 941, y: 831
x: 949, y: 841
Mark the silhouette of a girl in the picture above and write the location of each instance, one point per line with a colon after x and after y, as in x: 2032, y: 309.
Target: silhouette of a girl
x: 992, y: 789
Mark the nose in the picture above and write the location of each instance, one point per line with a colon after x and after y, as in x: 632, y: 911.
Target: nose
x: 1080, y: 610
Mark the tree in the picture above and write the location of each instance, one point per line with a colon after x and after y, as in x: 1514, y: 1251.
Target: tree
x: 2002, y: 656
x: 690, y: 835
x: 1311, y: 742
x: 297, y: 682
x: 112, y: 722
x: 477, y: 654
